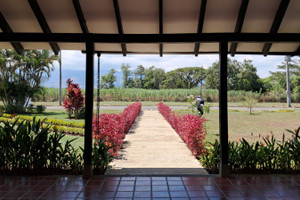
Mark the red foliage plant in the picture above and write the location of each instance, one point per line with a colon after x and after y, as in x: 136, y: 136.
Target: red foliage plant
x: 189, y: 127
x: 113, y: 127
x: 75, y: 100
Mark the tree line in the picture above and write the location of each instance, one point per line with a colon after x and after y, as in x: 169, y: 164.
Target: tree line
x: 241, y: 76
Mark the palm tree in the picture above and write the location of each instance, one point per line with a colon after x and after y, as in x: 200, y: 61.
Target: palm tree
x: 25, y: 75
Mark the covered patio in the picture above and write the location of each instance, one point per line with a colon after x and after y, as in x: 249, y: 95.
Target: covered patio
x: 155, y: 27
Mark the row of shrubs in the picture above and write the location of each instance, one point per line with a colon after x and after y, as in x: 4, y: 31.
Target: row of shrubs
x: 113, y: 127
x: 59, y: 129
x: 47, y: 121
x: 269, y: 156
x: 31, y: 147
x: 189, y: 127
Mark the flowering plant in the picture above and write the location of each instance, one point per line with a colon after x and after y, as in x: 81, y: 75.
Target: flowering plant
x: 75, y: 100
x: 112, y: 128
x: 189, y: 127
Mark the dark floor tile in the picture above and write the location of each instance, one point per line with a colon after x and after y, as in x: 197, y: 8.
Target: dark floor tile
x: 32, y: 195
x: 106, y: 194
x: 160, y: 194
x: 196, y: 193
x: 143, y: 182
x: 178, y: 194
x: 232, y: 193
x: 142, y: 194
x: 157, y: 178
x: 160, y: 188
x: 143, y: 178
x: 126, y: 183
x: 176, y: 188
x: 159, y: 182
x: 125, y: 189
x: 109, y: 188
x: 213, y: 193
x: 210, y: 187
x: 142, y: 198
x: 142, y: 188
x: 174, y: 178
x: 128, y: 178
x: 124, y: 194
x: 175, y: 182
x: 193, y: 188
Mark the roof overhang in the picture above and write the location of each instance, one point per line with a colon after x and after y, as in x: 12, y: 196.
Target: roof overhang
x: 269, y: 27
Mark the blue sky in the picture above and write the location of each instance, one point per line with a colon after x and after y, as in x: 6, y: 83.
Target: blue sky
x: 73, y: 64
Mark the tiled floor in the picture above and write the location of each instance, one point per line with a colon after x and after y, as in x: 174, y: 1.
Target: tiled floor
x: 144, y: 188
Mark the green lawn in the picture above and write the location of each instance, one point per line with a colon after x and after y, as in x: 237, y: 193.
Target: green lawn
x: 241, y: 124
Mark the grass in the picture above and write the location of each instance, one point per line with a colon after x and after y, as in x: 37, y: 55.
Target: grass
x: 62, y: 115
x: 240, y: 123
x: 243, y: 125
x: 79, y: 142
x: 151, y: 103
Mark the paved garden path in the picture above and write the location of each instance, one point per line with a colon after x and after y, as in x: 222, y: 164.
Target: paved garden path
x: 152, y: 147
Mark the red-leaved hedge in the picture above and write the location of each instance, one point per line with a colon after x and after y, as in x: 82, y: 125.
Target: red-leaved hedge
x: 189, y: 127
x: 113, y: 127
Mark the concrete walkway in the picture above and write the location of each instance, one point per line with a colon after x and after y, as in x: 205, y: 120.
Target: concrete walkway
x: 152, y: 147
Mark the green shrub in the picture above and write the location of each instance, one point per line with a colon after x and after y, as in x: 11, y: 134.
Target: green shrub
x: 269, y: 156
x: 101, y: 156
x: 29, y: 146
x: 35, y: 148
x: 40, y: 109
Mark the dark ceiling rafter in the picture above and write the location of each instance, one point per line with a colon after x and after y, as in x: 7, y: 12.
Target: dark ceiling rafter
x: 161, y: 26
x: 151, y: 38
x: 43, y: 23
x: 200, y: 24
x: 297, y: 52
x: 276, y: 23
x: 80, y: 16
x: 7, y: 29
x: 239, y: 24
x: 191, y: 53
x: 120, y: 25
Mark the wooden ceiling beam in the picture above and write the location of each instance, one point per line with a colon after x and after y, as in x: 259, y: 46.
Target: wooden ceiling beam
x: 276, y: 23
x: 43, y: 23
x: 119, y: 24
x: 151, y: 38
x: 80, y: 16
x: 297, y: 52
x: 7, y: 29
x: 200, y: 24
x: 239, y: 24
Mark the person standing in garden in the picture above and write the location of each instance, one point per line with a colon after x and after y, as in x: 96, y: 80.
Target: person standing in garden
x: 200, y: 105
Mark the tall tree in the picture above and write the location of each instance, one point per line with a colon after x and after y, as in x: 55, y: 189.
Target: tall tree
x: 107, y: 81
x: 21, y: 76
x: 278, y: 78
x: 154, y: 78
x: 127, y: 80
x: 187, y: 77
x: 241, y: 76
x: 139, y: 75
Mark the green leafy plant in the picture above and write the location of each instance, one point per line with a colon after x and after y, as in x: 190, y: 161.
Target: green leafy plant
x: 40, y: 109
x: 269, y: 156
x: 31, y: 148
x: 192, y: 102
x: 100, y: 156
x: 250, y: 102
